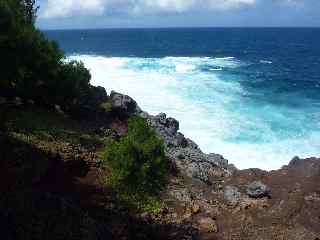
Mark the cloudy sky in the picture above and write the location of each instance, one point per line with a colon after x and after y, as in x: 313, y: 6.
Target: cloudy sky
x: 61, y: 14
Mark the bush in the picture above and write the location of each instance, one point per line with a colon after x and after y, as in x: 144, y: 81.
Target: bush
x: 137, y: 160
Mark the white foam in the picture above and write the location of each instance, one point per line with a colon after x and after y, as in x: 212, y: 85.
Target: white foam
x: 266, y: 61
x: 215, y: 69
x: 183, y: 68
x: 212, y: 112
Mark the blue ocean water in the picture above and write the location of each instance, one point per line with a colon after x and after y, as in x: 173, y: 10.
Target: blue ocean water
x: 250, y: 94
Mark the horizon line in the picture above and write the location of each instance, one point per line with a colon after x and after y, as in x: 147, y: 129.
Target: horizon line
x: 189, y: 27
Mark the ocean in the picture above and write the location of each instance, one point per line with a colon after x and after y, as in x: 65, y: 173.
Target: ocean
x: 250, y: 94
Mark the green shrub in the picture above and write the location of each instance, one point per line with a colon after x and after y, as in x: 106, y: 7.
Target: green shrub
x: 137, y: 160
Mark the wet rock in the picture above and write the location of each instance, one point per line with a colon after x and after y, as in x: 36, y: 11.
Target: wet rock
x: 123, y: 103
x: 208, y: 225
x: 258, y: 190
x: 232, y: 195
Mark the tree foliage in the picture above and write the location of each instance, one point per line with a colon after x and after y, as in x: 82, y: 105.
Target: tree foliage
x: 31, y: 66
x: 137, y: 160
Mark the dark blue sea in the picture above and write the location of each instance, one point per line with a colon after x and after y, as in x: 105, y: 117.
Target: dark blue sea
x: 250, y: 94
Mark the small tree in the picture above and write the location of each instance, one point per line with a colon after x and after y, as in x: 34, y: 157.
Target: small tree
x: 138, y: 161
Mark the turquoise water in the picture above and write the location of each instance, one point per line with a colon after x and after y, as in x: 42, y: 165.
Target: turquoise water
x: 251, y: 95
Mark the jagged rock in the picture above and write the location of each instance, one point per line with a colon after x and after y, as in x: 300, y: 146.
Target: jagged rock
x: 208, y: 225
x: 218, y: 160
x: 182, y: 195
x: 309, y: 167
x: 232, y: 195
x: 123, y: 103
x: 162, y: 118
x: 199, y: 170
x: 257, y: 189
x: 172, y: 125
x: 180, y: 140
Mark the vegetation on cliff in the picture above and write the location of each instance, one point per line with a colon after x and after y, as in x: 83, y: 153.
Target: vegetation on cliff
x: 138, y: 163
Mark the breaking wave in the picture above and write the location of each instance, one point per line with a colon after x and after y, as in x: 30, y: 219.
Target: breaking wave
x: 213, y: 107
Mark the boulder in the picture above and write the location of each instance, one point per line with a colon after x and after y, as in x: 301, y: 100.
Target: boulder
x: 123, y: 103
x: 257, y: 189
x: 232, y: 195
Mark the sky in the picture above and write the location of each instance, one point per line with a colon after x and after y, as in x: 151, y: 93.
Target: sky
x: 77, y: 14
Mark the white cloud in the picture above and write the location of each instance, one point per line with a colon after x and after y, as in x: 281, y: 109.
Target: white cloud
x: 67, y: 8
x: 227, y: 4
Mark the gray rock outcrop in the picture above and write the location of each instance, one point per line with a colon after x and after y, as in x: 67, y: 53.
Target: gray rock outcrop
x: 257, y: 189
x: 186, y: 154
x: 123, y: 103
x: 309, y: 167
x: 232, y: 195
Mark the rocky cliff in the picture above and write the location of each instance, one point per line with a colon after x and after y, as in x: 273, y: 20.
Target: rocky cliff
x: 210, y: 196
x: 54, y: 186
